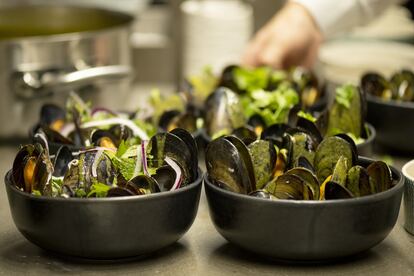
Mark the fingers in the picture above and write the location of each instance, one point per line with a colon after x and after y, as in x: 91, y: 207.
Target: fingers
x: 250, y: 57
x: 291, y: 38
x: 264, y: 50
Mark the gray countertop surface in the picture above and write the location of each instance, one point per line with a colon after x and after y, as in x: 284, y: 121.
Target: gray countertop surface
x: 201, y: 251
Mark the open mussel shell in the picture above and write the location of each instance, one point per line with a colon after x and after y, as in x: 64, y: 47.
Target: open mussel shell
x: 246, y: 134
x: 334, y: 190
x: 289, y: 186
x: 257, y: 123
x: 375, y: 84
x: 104, y: 138
x: 340, y: 171
x: 328, y: 153
x: 118, y: 191
x: 306, y: 84
x: 281, y: 163
x: 309, y: 179
x: 358, y: 181
x: 227, y: 79
x: 303, y: 162
x: 261, y: 194
x: 263, y: 155
x: 352, y: 144
x: 168, y: 144
x: 299, y: 143
x: 191, y: 144
x: 26, y: 170
x: 309, y: 127
x: 348, y: 119
x: 165, y: 177
x: 229, y: 166
x: 52, y: 135
x: 167, y: 118
x: 52, y: 116
x: 275, y: 133
x: 88, y: 168
x: 121, y: 133
x: 142, y: 185
x: 246, y: 157
x: 224, y: 112
x: 61, y: 161
x: 380, y: 176
x: 176, y: 119
x: 402, y: 85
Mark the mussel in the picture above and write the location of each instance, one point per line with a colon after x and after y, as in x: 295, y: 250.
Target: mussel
x: 32, y: 170
x: 224, y: 112
x: 261, y: 170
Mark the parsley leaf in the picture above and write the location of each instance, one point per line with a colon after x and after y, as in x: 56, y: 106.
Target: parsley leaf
x: 251, y: 79
x: 307, y: 116
x: 99, y: 190
x: 345, y: 94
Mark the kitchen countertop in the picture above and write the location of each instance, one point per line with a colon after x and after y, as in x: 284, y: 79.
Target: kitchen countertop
x: 202, y: 251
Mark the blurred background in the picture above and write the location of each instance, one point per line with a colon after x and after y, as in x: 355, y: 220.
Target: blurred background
x: 160, y: 37
x: 172, y: 39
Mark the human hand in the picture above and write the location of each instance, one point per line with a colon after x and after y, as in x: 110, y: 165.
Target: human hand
x: 290, y: 38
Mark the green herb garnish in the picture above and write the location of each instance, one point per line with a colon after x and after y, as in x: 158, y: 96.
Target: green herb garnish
x: 307, y: 116
x: 99, y: 190
x: 345, y: 94
x: 251, y: 79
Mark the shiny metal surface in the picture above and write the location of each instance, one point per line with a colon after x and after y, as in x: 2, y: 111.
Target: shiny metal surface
x: 94, y: 59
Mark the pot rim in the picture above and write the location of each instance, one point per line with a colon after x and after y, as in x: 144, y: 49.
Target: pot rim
x: 320, y: 203
x: 70, y: 36
x: 9, y: 183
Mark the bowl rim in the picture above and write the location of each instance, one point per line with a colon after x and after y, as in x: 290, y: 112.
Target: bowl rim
x: 405, y: 170
x: 288, y: 202
x: 9, y: 183
x: 370, y: 139
x: 393, y: 103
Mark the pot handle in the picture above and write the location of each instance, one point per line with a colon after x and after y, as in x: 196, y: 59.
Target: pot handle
x: 29, y: 85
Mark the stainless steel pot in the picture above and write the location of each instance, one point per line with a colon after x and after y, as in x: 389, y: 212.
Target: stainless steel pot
x: 47, y: 51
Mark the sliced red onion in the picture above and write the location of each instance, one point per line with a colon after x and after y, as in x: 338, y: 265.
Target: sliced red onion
x: 118, y: 121
x: 42, y: 136
x: 96, y: 162
x: 92, y: 149
x: 177, y: 169
x: 67, y: 129
x: 137, y: 131
x: 144, y: 157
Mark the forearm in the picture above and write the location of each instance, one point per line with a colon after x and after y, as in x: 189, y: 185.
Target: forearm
x: 334, y: 17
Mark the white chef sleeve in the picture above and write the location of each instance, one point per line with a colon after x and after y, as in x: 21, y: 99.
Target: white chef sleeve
x: 335, y: 16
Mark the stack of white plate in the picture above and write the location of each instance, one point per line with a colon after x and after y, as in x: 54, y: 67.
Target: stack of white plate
x: 215, y: 33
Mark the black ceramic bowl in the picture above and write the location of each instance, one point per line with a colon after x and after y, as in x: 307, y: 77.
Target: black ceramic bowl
x: 104, y: 228
x: 305, y: 230
x: 394, y: 122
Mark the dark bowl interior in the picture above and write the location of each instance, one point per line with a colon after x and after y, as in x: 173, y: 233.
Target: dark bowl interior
x: 305, y: 230
x: 394, y: 123
x: 104, y: 228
